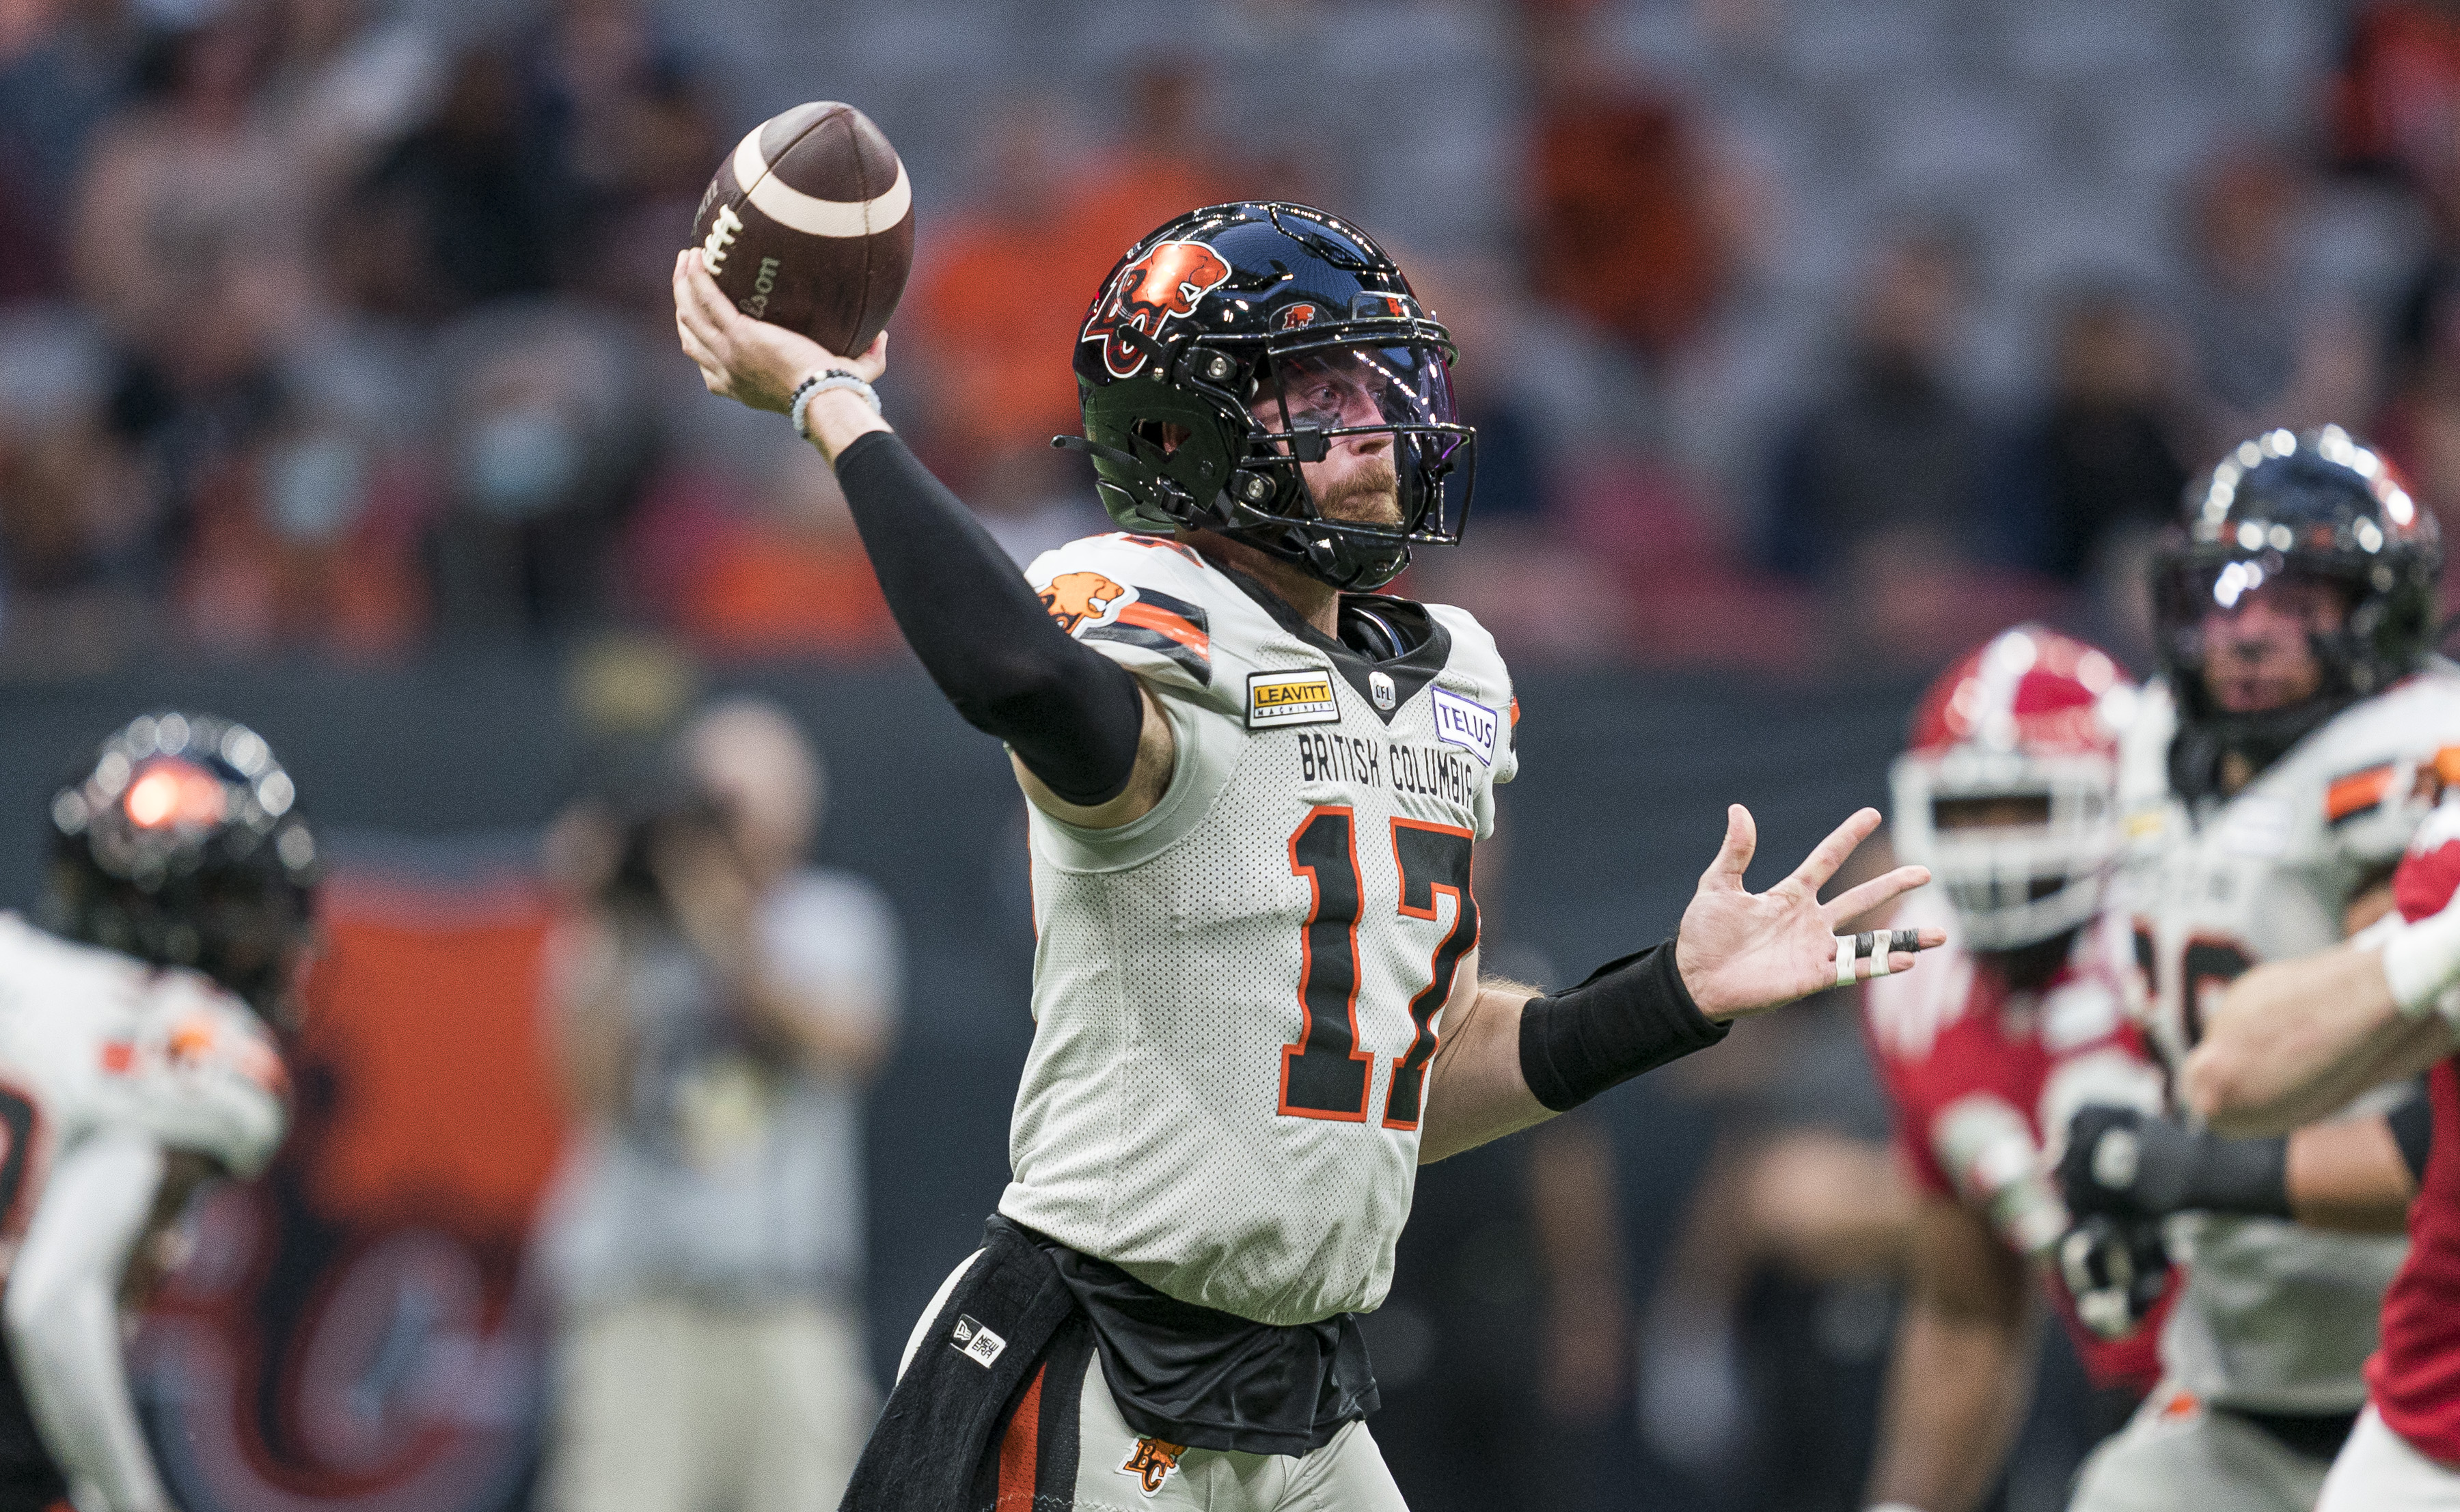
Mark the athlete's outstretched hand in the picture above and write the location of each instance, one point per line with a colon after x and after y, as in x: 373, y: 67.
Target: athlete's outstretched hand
x: 751, y: 361
x: 1742, y: 953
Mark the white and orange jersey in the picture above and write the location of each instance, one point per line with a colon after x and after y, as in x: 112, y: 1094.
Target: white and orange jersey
x: 93, y: 1040
x: 1238, y: 996
x: 2275, y: 1317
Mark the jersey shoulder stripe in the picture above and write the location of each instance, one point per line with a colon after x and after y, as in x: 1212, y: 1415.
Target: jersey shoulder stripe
x: 2374, y: 765
x: 1153, y: 621
x: 1147, y: 602
x: 2348, y: 796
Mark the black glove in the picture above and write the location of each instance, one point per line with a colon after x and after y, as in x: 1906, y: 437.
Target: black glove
x: 2126, y: 1164
x: 2116, y: 1271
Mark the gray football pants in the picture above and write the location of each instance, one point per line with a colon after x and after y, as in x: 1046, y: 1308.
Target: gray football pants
x: 2174, y: 1455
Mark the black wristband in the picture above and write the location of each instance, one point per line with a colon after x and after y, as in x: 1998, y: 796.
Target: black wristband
x: 2240, y: 1176
x: 1631, y: 1015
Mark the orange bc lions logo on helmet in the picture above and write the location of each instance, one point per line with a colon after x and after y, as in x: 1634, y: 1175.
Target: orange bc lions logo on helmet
x: 1148, y: 294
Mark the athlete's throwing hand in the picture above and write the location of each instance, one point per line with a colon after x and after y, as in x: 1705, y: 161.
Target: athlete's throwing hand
x: 751, y: 361
x: 1742, y: 953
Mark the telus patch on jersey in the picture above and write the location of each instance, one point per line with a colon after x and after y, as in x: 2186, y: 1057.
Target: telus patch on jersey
x: 1466, y: 723
x: 1275, y: 698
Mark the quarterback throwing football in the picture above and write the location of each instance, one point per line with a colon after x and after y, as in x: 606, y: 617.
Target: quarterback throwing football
x: 1254, y: 785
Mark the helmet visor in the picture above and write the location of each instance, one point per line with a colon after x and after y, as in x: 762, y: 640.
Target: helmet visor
x: 1371, y: 431
x: 2197, y: 596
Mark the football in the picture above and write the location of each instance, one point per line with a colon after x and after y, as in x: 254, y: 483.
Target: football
x: 809, y: 224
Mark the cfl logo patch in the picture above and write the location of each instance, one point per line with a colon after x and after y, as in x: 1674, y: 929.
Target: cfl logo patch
x: 976, y: 1342
x: 1151, y: 1462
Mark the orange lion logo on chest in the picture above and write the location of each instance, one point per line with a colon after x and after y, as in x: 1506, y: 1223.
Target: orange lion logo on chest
x: 1074, y: 598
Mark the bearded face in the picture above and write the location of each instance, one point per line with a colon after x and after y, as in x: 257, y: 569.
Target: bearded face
x: 1355, y: 482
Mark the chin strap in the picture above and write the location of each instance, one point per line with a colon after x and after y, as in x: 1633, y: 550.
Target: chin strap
x: 1321, y: 556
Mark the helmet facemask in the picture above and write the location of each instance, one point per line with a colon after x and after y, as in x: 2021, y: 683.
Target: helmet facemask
x: 2351, y: 666
x: 2039, y: 872
x: 1373, y: 421
x: 1367, y: 415
x: 2320, y: 508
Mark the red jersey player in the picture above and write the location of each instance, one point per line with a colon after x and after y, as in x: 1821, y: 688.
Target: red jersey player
x: 2296, y: 1034
x: 2008, y: 795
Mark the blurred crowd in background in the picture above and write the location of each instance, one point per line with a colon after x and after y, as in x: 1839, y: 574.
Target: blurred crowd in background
x: 1795, y: 330
x: 1799, y: 335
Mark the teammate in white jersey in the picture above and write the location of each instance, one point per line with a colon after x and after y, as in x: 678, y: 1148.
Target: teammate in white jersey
x: 2266, y: 793
x: 1254, y: 785
x: 137, y: 1060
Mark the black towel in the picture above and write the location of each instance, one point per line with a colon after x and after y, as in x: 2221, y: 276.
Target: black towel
x: 936, y: 1447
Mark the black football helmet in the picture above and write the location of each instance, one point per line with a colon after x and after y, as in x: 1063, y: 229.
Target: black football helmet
x: 1204, y: 367
x: 2322, y: 505
x: 183, y: 845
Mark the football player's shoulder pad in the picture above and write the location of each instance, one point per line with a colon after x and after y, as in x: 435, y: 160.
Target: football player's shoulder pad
x: 2428, y: 699
x: 1146, y: 601
x: 1474, y: 654
x: 2407, y: 723
x: 26, y: 951
x: 2371, y: 759
x: 1906, y: 1013
x: 1476, y: 670
x: 217, y: 1084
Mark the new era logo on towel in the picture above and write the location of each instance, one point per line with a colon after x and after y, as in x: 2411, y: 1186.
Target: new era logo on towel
x: 976, y: 1342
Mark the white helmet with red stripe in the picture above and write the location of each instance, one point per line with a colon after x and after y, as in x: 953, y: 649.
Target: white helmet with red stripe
x: 2007, y: 791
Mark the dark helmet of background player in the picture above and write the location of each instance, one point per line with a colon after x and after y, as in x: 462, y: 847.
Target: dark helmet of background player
x: 183, y: 845
x: 2322, y: 506
x: 1201, y: 323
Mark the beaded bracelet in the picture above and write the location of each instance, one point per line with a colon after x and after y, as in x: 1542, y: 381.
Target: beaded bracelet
x: 798, y: 404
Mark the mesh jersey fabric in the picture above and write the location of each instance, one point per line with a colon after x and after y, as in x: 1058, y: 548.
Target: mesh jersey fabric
x: 2415, y: 1376
x: 1184, y: 1114
x: 2274, y: 1316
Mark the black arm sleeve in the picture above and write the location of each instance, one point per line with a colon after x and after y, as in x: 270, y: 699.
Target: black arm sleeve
x: 1072, y: 714
x: 1631, y: 1015
x: 2412, y: 1129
